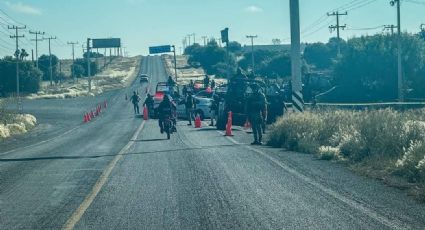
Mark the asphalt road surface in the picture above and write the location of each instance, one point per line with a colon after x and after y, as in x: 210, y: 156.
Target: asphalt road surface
x: 119, y: 172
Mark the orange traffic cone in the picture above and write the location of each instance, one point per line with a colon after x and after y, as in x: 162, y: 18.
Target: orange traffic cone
x: 198, y: 121
x: 88, y: 116
x: 229, y: 125
x: 85, y: 118
x: 145, y: 113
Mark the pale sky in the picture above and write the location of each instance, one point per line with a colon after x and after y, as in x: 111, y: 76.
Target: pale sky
x: 144, y: 23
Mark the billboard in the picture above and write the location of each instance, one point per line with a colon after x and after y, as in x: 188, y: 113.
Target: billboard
x: 106, y: 43
x: 159, y: 49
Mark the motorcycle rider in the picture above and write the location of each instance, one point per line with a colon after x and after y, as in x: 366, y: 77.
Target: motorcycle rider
x: 166, y: 109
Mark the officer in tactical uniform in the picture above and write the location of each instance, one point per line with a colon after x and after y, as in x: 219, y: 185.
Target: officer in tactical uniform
x: 256, y: 104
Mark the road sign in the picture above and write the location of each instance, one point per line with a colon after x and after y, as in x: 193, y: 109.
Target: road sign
x: 106, y: 43
x: 159, y: 49
x: 225, y: 35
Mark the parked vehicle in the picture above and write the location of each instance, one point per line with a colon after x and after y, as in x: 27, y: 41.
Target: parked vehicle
x: 203, y: 107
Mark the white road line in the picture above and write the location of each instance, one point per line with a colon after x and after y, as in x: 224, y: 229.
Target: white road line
x: 391, y: 223
x: 76, y: 216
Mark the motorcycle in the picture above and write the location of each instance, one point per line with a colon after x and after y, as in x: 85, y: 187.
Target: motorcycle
x: 169, y: 127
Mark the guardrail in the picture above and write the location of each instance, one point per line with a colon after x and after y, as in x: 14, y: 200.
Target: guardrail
x: 361, y: 106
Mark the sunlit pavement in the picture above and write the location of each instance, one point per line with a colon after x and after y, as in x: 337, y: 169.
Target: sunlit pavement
x: 121, y: 173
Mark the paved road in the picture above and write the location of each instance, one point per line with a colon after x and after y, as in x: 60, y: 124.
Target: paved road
x: 121, y: 173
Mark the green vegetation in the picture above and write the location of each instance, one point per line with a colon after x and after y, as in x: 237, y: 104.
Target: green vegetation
x: 385, y: 141
x: 212, y: 58
x: 29, y: 77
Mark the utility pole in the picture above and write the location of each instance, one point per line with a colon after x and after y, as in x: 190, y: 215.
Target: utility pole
x: 73, y: 58
x: 205, y: 40
x: 88, y: 63
x: 50, y: 60
x: 400, y: 66
x: 36, y: 44
x: 252, y: 37
x: 297, y: 96
x: 175, y: 61
x: 337, y: 27
x: 390, y: 28
x: 189, y: 36
x: 194, y: 38
x: 17, y: 36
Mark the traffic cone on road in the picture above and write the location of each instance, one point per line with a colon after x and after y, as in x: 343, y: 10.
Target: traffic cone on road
x: 88, y: 116
x: 229, y: 125
x: 145, y: 113
x: 198, y: 121
x: 85, y: 119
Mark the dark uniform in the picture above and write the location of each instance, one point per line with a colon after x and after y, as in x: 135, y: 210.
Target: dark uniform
x: 256, y: 104
x: 135, y: 100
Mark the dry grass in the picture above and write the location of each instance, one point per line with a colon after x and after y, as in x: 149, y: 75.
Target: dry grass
x: 384, y: 142
x: 14, y: 124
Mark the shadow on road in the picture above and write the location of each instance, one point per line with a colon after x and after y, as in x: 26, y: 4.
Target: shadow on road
x: 112, y: 155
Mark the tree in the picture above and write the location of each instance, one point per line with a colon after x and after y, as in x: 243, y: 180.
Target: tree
x: 276, y: 41
x: 29, y: 77
x: 367, y: 70
x: 93, y: 54
x: 279, y: 65
x: 235, y: 47
x: 318, y: 54
x: 80, y: 65
x: 210, y: 57
x: 44, y: 66
x: 23, y: 54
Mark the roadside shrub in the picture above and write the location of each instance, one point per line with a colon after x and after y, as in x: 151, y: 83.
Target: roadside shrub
x: 412, y: 161
x: 328, y: 153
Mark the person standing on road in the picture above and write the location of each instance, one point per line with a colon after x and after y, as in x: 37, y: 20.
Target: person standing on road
x: 190, y: 105
x: 206, y: 81
x: 214, y: 108
x: 256, y: 104
x: 171, y: 84
x: 149, y: 103
x: 212, y: 84
x: 135, y: 100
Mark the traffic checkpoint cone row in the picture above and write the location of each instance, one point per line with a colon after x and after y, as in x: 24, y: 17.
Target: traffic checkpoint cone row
x: 95, y: 112
x: 198, y: 121
x: 229, y: 125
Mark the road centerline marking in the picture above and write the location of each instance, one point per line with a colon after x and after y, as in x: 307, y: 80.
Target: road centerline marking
x: 79, y: 212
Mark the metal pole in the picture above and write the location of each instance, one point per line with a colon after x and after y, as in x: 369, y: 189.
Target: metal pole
x: 16, y: 36
x: 400, y: 67
x: 50, y: 65
x: 175, y: 62
x: 252, y: 52
x: 88, y: 63
x: 297, y: 96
